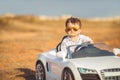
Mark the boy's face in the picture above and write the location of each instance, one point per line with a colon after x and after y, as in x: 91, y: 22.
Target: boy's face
x: 73, y: 29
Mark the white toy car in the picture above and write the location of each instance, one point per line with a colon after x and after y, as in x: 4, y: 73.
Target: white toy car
x: 86, y: 62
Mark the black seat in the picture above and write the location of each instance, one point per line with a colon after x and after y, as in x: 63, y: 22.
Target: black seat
x: 58, y: 47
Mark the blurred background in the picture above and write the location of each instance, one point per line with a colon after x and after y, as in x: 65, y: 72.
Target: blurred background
x: 31, y: 27
x: 79, y: 8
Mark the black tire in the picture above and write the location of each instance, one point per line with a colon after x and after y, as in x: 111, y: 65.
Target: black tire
x: 67, y: 75
x: 40, y: 71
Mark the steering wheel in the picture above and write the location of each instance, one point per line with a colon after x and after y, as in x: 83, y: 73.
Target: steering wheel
x: 79, y: 47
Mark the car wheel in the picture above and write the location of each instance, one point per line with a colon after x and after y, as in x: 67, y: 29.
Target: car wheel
x: 40, y: 71
x: 67, y: 75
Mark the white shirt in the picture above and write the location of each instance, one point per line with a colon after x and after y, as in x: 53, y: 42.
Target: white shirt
x: 68, y: 41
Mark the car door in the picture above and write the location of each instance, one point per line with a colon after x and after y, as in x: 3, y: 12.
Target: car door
x: 55, y: 67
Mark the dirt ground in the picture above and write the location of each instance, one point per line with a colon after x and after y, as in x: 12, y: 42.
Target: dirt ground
x: 23, y: 38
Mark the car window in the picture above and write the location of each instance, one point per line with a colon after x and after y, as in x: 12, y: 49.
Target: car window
x: 90, y: 50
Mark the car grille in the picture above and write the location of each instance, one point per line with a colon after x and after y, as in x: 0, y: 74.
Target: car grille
x: 90, y: 77
x: 111, y: 74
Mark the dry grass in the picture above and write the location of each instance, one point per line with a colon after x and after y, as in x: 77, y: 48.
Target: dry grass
x: 22, y: 38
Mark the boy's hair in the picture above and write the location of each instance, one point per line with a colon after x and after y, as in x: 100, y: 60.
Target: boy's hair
x: 73, y: 20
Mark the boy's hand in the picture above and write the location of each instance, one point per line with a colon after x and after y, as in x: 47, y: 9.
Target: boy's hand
x: 118, y: 55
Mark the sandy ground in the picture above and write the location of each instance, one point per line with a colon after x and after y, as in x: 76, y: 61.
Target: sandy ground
x: 21, y: 42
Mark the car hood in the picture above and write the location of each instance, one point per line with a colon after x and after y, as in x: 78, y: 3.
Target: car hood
x: 97, y: 62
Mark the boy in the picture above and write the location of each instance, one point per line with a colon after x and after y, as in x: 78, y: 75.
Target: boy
x: 73, y: 30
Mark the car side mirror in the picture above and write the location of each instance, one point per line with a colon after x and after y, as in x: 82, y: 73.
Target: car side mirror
x: 61, y: 54
x: 116, y: 51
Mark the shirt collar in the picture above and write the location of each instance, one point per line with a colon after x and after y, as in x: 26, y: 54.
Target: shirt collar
x: 74, y: 41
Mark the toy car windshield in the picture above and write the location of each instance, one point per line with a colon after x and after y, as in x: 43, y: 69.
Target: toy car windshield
x: 89, y: 50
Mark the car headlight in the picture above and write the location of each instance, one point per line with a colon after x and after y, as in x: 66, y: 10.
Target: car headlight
x: 87, y: 71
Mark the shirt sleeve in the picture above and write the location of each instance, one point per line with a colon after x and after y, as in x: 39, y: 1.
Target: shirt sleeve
x: 89, y: 39
x: 86, y: 39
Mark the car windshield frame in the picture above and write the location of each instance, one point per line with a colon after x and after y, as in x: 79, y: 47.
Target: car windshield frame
x: 89, y: 50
